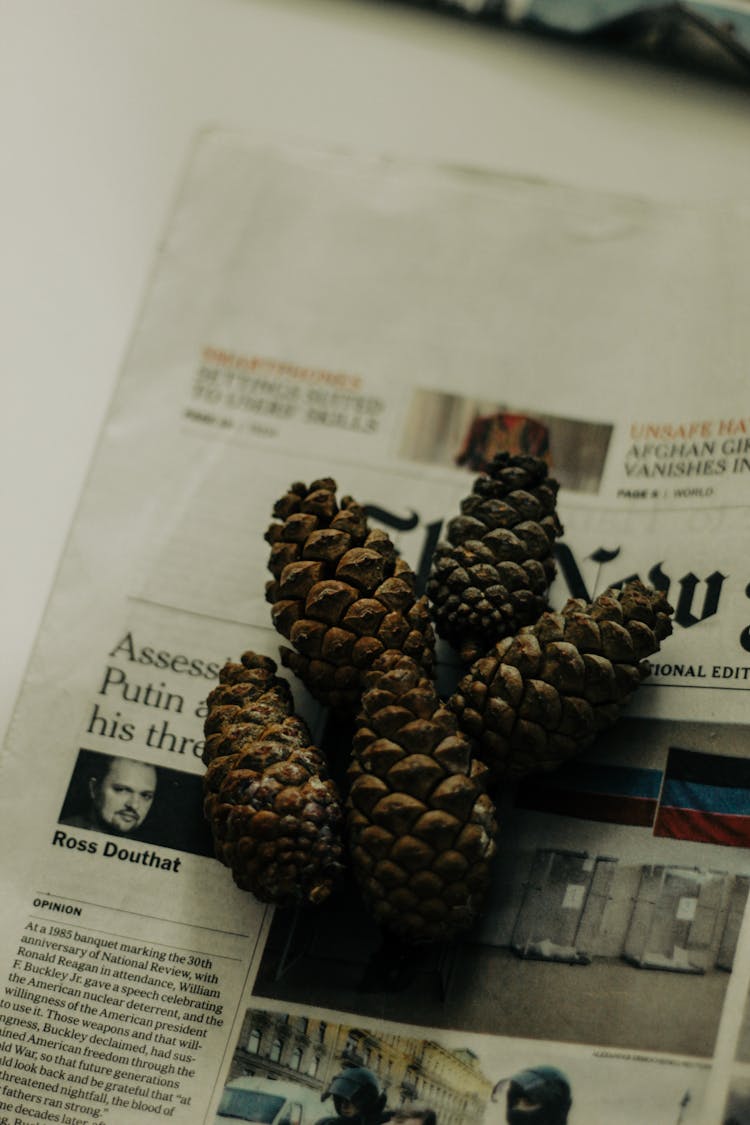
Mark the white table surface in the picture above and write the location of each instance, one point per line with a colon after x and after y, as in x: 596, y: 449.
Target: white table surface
x: 99, y: 102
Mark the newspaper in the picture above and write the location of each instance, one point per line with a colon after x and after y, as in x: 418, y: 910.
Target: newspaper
x: 700, y: 33
x: 314, y: 313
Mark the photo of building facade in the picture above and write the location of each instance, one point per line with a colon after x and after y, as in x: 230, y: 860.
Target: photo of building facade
x: 311, y: 1052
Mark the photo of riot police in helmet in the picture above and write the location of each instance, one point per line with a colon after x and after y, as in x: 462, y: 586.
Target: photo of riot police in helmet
x: 358, y: 1098
x: 539, y: 1095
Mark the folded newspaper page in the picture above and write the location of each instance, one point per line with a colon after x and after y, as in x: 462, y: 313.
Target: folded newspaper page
x: 315, y: 314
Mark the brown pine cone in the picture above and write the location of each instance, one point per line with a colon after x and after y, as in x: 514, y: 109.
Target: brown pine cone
x: 275, y: 816
x: 421, y: 826
x: 492, y: 574
x: 542, y: 696
x: 340, y: 594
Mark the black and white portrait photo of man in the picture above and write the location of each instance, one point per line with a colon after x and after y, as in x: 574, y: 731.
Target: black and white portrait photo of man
x: 121, y: 792
x: 137, y: 800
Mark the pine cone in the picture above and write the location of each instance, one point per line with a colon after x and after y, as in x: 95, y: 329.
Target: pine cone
x: 542, y: 696
x: 274, y: 813
x: 340, y: 594
x: 421, y: 826
x: 492, y: 575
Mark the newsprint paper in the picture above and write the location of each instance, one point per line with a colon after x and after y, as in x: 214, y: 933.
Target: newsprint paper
x: 319, y: 314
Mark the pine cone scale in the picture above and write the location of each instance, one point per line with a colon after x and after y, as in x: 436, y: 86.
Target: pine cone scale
x: 491, y: 573
x: 342, y: 596
x: 421, y: 850
x: 274, y: 813
x: 545, y: 694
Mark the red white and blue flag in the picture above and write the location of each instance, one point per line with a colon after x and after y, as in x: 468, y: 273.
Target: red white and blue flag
x: 705, y: 798
x: 615, y: 794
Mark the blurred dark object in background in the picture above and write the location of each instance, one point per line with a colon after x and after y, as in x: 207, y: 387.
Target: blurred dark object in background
x: 711, y: 37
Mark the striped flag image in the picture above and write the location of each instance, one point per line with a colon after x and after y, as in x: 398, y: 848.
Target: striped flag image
x: 606, y: 792
x: 705, y: 798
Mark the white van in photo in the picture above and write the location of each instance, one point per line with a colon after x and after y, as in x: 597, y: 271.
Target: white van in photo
x: 267, y: 1101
